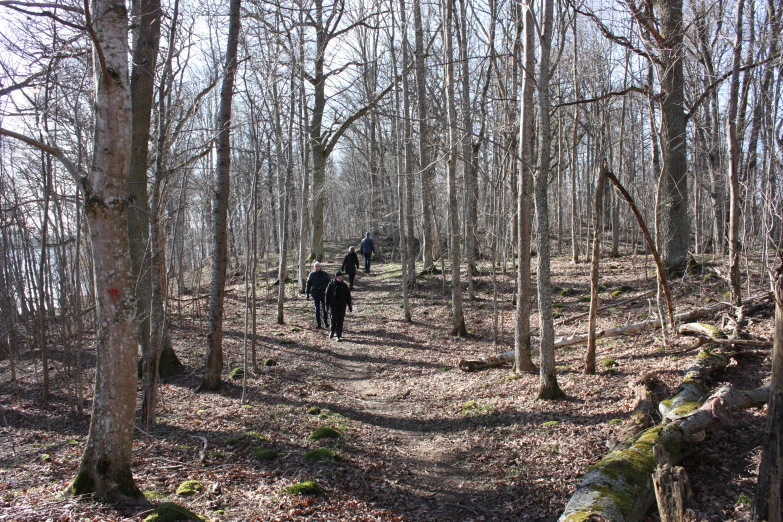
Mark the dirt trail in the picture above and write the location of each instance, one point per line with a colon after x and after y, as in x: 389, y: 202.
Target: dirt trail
x: 440, y: 481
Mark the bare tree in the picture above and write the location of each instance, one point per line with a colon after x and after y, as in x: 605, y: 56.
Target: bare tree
x: 214, y: 360
x: 458, y: 318
x: 549, y: 389
x: 522, y: 353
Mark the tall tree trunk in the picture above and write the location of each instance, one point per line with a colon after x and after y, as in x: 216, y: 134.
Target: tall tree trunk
x: 522, y: 355
x: 768, y: 504
x: 145, y: 56
x: 426, y: 169
x: 155, y: 269
x: 214, y: 360
x: 467, y: 149
x: 284, y: 186
x: 734, y: 152
x: 317, y: 139
x: 594, y: 274
x: 673, y: 204
x: 105, y: 467
x: 574, y: 155
x: 548, y: 387
x: 458, y: 319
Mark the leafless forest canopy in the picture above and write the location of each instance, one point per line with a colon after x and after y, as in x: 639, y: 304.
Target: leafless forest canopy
x: 158, y: 155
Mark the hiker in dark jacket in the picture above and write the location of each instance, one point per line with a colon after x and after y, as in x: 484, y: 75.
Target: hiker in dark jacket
x: 367, y: 247
x: 317, y: 282
x: 338, y: 296
x: 350, y: 265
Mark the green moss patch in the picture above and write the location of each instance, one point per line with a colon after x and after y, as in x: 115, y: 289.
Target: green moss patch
x: 470, y: 405
x: 583, y: 299
x: 270, y: 362
x: 550, y: 424
x: 307, y: 487
x: 265, y: 454
x: 615, y: 422
x: 233, y: 441
x: 189, y: 487
x: 255, y: 435
x: 171, y: 512
x: 609, y: 363
x: 236, y: 374
x: 324, y: 433
x: 313, y: 410
x: 322, y: 455
x: 567, y: 292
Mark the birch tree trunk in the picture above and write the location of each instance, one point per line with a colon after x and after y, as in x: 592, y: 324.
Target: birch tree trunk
x: 214, y: 360
x: 105, y: 466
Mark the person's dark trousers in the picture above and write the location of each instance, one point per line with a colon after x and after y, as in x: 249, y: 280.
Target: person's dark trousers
x: 350, y: 279
x: 367, y: 258
x: 338, y: 316
x: 319, y: 302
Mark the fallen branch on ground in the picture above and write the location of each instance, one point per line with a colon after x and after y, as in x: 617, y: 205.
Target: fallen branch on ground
x: 631, y: 329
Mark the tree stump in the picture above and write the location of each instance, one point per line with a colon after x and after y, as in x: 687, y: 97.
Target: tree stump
x: 672, y: 489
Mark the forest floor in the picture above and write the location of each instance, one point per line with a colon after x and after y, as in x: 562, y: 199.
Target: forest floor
x: 419, y: 439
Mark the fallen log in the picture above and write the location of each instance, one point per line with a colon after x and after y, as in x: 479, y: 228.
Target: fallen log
x: 642, y: 416
x: 619, y: 487
x: 701, y: 330
x: 507, y: 357
x: 693, y: 390
x: 605, y: 307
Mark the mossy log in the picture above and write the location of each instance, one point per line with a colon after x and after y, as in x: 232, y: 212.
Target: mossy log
x: 619, y: 487
x: 693, y: 390
x: 701, y: 330
x: 631, y: 329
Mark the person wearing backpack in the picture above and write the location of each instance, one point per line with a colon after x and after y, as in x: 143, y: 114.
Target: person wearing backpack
x: 338, y: 297
x: 367, y: 248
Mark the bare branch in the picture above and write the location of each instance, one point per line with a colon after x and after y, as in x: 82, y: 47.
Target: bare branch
x: 52, y: 151
x: 42, y: 5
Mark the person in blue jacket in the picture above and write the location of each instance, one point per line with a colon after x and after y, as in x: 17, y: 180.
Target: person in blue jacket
x: 317, y: 282
x: 367, y: 248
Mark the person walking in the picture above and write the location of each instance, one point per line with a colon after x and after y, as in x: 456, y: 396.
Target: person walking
x: 338, y: 297
x: 350, y: 265
x: 367, y: 248
x: 317, y: 282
